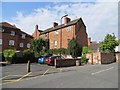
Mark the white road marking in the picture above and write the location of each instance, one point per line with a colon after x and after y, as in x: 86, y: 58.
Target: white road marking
x: 101, y: 71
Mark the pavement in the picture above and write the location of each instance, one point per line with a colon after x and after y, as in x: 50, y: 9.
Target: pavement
x: 43, y: 76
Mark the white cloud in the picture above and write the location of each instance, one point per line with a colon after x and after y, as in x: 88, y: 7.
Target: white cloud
x: 100, y: 18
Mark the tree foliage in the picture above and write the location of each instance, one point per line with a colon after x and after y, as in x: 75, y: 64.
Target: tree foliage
x: 109, y: 44
x: 39, y: 46
x: 85, y: 50
x: 9, y: 53
x: 73, y: 48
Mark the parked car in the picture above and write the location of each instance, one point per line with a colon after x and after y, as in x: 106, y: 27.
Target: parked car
x: 41, y: 60
x: 51, y: 60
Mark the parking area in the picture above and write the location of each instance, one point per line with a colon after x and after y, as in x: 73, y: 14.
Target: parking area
x: 43, y: 76
x: 16, y: 72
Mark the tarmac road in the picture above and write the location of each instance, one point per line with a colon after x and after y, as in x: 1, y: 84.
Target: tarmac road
x: 87, y: 76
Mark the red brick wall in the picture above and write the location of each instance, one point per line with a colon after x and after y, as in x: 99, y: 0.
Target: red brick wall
x: 17, y: 38
x: 81, y: 34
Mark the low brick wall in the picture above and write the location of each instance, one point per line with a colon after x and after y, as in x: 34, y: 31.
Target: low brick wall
x: 66, y: 62
x: 100, y: 58
x: 107, y: 58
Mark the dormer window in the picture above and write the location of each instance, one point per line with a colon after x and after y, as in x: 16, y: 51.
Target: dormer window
x: 12, y: 33
x: 23, y: 36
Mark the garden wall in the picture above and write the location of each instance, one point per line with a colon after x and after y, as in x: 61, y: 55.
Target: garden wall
x: 100, y: 58
x: 66, y: 62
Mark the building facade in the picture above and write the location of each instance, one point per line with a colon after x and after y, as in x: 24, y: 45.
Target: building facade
x: 12, y: 37
x: 65, y: 32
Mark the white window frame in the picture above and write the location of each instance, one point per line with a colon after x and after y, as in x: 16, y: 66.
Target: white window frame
x: 55, y: 32
x: 11, y: 42
x: 68, y: 29
x: 23, y: 36
x: 0, y: 41
x: 55, y: 43
x: 21, y: 45
x: 1, y: 29
x: 28, y: 45
x: 12, y: 33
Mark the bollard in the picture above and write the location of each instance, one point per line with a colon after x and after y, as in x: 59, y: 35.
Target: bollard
x: 28, y: 66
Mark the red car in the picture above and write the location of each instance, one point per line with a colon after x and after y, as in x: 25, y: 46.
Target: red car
x: 51, y: 60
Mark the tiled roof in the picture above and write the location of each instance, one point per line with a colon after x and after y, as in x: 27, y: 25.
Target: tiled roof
x: 94, y: 46
x: 5, y: 24
x: 61, y: 26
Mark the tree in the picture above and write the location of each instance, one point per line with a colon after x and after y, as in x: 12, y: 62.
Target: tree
x: 85, y: 50
x: 73, y: 48
x: 9, y: 54
x: 109, y: 44
x: 39, y: 45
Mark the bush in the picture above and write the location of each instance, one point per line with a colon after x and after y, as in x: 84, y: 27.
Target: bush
x: 58, y: 51
x: 74, y: 49
x: 84, y: 59
x: 28, y: 55
x: 9, y: 55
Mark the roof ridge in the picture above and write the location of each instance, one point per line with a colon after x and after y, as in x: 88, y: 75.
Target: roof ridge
x: 62, y: 25
x: 6, y: 24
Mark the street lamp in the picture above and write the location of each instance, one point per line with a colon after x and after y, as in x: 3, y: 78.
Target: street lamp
x: 61, y: 37
x: 61, y: 32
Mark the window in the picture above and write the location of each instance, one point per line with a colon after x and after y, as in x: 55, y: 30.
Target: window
x: 11, y: 42
x: 1, y: 29
x: 0, y: 41
x: 12, y: 33
x: 21, y: 44
x: 55, y: 44
x: 55, y: 32
x: 28, y: 45
x: 68, y: 40
x: 68, y: 29
x: 23, y: 36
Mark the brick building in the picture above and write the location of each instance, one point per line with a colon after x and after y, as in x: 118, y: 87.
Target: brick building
x: 70, y: 29
x: 12, y: 37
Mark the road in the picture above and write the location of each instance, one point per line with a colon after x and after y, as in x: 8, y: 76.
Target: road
x: 87, y: 76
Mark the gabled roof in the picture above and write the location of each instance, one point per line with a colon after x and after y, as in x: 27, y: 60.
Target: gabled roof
x: 94, y: 46
x: 5, y: 24
x: 60, y: 26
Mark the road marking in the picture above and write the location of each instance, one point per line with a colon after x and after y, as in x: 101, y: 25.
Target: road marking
x: 45, y: 72
x: 4, y: 77
x: 24, y: 76
x: 101, y: 71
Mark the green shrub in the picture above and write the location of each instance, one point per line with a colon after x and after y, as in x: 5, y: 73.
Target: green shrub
x: 9, y: 55
x: 84, y: 59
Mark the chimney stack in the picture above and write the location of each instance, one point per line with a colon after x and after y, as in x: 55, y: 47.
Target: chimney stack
x: 36, y: 27
x: 66, y: 20
x: 89, y: 41
x: 55, y: 24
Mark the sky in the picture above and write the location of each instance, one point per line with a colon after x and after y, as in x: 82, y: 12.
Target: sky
x: 99, y: 17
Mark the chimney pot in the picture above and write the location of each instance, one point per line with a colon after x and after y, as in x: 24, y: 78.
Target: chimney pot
x: 66, y: 20
x: 55, y: 24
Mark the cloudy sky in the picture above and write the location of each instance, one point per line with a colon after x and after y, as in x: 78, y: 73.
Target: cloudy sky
x: 99, y: 17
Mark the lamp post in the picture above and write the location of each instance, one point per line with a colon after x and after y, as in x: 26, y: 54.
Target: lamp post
x: 61, y: 32
x: 61, y: 37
